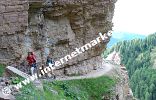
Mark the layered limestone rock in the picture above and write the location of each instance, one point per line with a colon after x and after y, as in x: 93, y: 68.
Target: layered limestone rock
x: 13, y: 23
x: 57, y: 27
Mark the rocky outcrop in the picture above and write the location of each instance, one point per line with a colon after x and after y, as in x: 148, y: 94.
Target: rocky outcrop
x: 122, y: 90
x: 14, y: 20
x: 57, y: 27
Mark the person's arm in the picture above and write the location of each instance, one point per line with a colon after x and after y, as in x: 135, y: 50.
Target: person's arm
x: 53, y: 62
x: 34, y: 58
x: 27, y: 59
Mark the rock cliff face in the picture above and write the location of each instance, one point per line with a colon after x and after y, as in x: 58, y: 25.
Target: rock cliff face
x: 54, y: 26
x: 13, y: 22
x: 58, y: 27
x: 122, y: 90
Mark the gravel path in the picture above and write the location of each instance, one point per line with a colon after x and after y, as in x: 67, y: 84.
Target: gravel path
x: 93, y: 74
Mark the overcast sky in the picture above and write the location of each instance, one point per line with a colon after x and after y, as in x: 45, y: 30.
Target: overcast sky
x: 135, y: 16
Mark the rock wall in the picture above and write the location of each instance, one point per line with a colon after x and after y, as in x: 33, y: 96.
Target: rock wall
x: 121, y: 90
x: 57, y: 27
x: 13, y: 22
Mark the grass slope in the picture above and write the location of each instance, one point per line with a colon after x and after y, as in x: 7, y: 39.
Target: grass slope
x: 84, y: 89
x: 2, y: 69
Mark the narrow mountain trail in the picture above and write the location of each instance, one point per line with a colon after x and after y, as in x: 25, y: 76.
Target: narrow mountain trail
x: 105, y: 69
x: 111, y: 62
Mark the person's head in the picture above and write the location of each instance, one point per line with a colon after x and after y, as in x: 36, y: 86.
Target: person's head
x: 30, y: 53
x: 50, y: 54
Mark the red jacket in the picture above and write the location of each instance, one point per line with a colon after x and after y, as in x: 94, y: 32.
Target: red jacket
x: 31, y: 59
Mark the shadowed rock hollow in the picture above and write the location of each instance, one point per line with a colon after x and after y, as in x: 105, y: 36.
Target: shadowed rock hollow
x: 54, y: 26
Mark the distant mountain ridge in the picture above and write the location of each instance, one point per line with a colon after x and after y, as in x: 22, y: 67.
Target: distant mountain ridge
x: 121, y: 36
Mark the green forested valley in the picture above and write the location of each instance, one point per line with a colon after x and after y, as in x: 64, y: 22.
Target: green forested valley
x: 139, y: 57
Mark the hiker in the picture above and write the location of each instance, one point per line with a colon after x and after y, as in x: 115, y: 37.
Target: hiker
x: 31, y: 59
x: 50, y: 62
